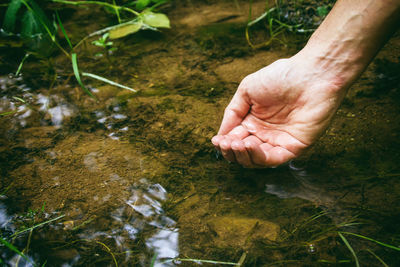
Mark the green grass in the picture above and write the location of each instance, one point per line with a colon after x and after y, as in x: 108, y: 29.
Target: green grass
x: 35, y: 22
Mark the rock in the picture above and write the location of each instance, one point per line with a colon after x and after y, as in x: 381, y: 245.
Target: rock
x: 238, y: 231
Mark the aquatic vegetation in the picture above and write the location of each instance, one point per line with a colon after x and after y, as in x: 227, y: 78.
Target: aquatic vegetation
x: 307, y: 239
x: 39, y: 32
x: 287, y: 16
x: 82, y: 165
x: 104, y: 43
x: 34, y: 26
x: 347, y: 243
x: 26, y: 224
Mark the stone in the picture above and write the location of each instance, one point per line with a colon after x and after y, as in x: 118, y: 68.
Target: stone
x: 238, y: 231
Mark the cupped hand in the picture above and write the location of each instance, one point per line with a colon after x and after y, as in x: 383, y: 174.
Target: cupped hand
x: 277, y: 112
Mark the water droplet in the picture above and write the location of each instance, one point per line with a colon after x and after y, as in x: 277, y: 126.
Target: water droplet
x: 311, y: 248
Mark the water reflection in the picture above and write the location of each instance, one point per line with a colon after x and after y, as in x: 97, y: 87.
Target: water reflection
x: 303, y: 187
x: 140, y: 220
x: 142, y: 215
x: 23, y: 102
x: 25, y: 105
x: 306, y: 186
x: 116, y: 122
x: 165, y: 245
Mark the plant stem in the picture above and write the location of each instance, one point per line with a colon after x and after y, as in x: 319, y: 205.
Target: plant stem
x: 76, y: 3
x: 52, y: 37
x: 36, y: 226
x: 21, y: 64
x: 94, y: 76
x: 116, y: 11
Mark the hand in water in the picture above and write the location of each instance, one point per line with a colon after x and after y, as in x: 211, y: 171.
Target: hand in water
x: 280, y: 110
x: 277, y: 112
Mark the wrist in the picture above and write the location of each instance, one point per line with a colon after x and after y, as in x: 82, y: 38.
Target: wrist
x: 335, y: 62
x: 349, y: 38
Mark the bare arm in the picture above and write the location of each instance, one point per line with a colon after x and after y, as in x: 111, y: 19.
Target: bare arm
x: 351, y: 35
x: 280, y: 110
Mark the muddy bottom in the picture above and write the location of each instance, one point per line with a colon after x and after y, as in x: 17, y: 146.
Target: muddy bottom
x: 131, y: 179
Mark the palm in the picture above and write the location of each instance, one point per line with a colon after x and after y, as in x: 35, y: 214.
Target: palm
x: 275, y: 114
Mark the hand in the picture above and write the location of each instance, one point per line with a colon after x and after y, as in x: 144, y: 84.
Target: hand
x: 278, y: 111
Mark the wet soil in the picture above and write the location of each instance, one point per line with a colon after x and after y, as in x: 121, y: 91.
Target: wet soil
x: 138, y: 180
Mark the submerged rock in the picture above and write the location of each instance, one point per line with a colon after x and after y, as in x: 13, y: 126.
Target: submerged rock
x: 238, y: 231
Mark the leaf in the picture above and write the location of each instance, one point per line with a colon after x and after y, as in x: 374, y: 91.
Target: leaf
x: 322, y: 11
x: 157, y: 20
x: 11, y: 15
x: 125, y: 29
x: 141, y: 4
x: 50, y: 27
x: 63, y: 30
x: 97, y: 77
x: 13, y: 248
x: 76, y: 72
x: 350, y: 249
x: 30, y: 25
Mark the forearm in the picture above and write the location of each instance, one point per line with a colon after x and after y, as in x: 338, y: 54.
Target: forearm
x: 351, y: 35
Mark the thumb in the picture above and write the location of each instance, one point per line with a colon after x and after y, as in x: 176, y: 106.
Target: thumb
x: 235, y: 112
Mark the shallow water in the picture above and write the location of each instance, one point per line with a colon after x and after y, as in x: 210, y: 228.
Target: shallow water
x: 133, y: 180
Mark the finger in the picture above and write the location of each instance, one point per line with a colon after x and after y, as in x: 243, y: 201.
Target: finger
x: 253, y: 147
x: 234, y: 112
x: 241, y: 155
x: 282, y: 139
x: 225, y: 146
x: 276, y: 155
x: 216, y: 140
x: 238, y: 133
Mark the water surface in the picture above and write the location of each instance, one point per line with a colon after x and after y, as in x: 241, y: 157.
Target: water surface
x: 135, y: 180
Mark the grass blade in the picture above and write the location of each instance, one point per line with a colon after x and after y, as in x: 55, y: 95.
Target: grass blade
x: 77, y: 76
x: 63, y: 30
x: 94, y: 76
x: 13, y: 248
x: 8, y: 113
x: 153, y: 260
x: 378, y: 258
x: 373, y: 240
x: 350, y: 248
x: 36, y: 226
x: 21, y: 64
x: 202, y: 261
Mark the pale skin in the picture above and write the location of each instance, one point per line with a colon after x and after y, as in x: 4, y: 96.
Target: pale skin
x: 282, y: 109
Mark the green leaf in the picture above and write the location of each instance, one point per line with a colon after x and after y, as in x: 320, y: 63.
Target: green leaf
x: 322, y: 11
x: 13, y: 248
x: 141, y: 4
x: 63, y: 30
x: 105, y: 36
x: 50, y: 27
x: 77, y: 76
x: 125, y: 29
x: 94, y: 76
x: 30, y: 25
x: 157, y: 20
x: 11, y: 15
x: 350, y: 249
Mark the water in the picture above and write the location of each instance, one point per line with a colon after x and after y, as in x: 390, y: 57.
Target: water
x: 135, y: 177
